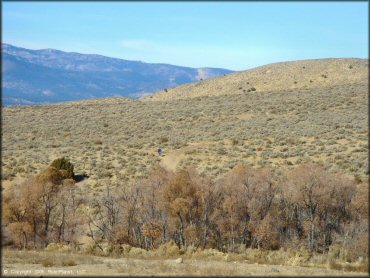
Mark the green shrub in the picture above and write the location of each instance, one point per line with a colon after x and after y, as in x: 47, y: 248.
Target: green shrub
x: 64, y: 166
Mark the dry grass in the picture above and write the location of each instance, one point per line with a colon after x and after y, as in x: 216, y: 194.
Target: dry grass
x: 236, y: 265
x: 114, y: 141
x: 169, y: 252
x: 294, y: 76
x: 47, y: 258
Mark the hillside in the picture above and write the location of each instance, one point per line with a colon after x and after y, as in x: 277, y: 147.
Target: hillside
x: 285, y: 76
x: 115, y: 140
x: 254, y: 179
x: 49, y: 75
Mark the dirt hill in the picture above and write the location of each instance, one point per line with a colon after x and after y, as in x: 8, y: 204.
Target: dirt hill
x: 293, y: 76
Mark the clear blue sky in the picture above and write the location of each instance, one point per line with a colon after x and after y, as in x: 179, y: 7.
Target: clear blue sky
x: 233, y: 35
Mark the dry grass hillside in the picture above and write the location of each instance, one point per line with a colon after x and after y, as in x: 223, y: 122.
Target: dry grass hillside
x: 220, y: 125
x: 293, y: 76
x: 131, y: 218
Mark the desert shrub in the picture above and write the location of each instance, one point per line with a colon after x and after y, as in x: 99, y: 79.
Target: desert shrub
x: 189, y: 250
x: 301, y: 257
x: 125, y: 248
x: 169, y: 249
x: 222, y: 151
x: 280, y: 256
x: 49, y: 175
x: 68, y: 262
x: 58, y: 247
x: 208, y: 254
x: 98, y: 142
x: 234, y: 257
x: 256, y: 255
x: 55, y: 259
x: 48, y: 262
x: 89, y: 247
x: 163, y: 140
x: 137, y: 252
x: 333, y: 264
x: 65, y: 167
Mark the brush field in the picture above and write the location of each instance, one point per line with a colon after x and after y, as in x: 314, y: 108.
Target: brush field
x: 280, y: 115
x: 116, y: 140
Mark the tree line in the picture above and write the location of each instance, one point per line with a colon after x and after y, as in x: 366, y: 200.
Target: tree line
x: 258, y: 208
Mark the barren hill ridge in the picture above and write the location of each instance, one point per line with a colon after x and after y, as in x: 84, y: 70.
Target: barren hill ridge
x: 284, y: 76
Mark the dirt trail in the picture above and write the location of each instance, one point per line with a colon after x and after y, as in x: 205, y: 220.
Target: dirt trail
x: 172, y: 158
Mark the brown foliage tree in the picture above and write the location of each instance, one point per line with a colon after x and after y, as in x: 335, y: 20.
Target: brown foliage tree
x: 182, y: 199
x: 248, y: 196
x: 319, y: 202
x: 31, y: 208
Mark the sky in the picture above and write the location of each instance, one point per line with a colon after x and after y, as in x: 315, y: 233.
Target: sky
x: 232, y: 35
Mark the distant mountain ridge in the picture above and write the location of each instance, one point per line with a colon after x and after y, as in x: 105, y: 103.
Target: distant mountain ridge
x: 49, y: 75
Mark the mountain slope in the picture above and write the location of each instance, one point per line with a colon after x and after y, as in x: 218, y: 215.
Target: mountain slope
x: 48, y: 75
x: 285, y: 76
x: 325, y: 122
